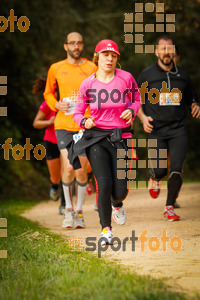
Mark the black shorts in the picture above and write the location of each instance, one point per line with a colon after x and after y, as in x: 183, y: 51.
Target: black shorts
x: 65, y: 138
x: 52, y: 150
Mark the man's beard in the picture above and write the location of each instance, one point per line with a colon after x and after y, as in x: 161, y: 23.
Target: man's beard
x: 75, y: 55
x: 166, y: 63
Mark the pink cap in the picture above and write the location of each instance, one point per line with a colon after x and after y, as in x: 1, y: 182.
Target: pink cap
x: 107, y: 45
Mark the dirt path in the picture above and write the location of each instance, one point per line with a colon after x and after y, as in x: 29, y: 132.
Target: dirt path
x: 180, y: 269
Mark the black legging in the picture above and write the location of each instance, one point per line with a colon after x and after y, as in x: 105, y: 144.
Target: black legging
x: 176, y: 149
x: 103, y: 159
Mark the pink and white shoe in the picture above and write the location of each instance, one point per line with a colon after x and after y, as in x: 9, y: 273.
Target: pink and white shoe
x: 119, y: 215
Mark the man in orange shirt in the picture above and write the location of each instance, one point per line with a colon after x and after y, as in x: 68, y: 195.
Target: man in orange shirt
x: 65, y: 77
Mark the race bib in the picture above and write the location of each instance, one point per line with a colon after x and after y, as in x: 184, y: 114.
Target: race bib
x: 72, y: 103
x: 169, y: 99
x: 78, y: 136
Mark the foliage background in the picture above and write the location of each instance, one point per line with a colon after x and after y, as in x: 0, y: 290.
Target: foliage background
x: 25, y: 56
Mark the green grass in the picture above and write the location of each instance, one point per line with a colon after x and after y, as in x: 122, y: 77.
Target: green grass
x: 190, y: 181
x: 16, y: 206
x: 40, y: 265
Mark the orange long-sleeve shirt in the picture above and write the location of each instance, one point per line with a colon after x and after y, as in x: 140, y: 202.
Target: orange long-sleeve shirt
x: 65, y: 79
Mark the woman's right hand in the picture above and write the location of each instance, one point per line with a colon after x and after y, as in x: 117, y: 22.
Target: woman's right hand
x: 148, y: 127
x: 89, y: 123
x: 51, y: 120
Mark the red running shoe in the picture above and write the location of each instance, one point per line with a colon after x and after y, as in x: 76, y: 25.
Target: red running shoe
x: 154, y: 188
x: 89, y: 188
x: 169, y: 214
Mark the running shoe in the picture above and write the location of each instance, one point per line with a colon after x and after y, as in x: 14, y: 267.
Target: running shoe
x: 68, y: 221
x: 54, y: 195
x: 169, y: 214
x: 154, y: 188
x: 177, y: 205
x: 95, y: 206
x: 119, y: 215
x: 78, y: 220
x: 61, y: 210
x: 89, y: 188
x: 106, y: 236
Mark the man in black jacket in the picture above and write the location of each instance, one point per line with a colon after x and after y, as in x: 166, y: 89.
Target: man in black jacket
x: 166, y: 90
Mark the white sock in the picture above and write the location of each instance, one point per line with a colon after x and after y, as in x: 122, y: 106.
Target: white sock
x: 80, y: 194
x: 67, y: 189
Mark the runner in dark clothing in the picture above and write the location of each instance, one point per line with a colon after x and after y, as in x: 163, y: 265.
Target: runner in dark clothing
x: 166, y: 90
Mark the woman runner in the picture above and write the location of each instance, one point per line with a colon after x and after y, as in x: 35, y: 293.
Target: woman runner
x: 114, y: 101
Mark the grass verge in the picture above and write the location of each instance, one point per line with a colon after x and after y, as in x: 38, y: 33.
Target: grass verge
x: 40, y: 265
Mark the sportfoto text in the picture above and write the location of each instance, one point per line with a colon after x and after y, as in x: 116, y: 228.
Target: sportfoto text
x: 116, y: 95
x: 18, y: 151
x: 154, y: 243
x: 23, y: 22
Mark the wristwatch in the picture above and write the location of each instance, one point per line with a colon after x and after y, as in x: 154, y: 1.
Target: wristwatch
x: 83, y: 122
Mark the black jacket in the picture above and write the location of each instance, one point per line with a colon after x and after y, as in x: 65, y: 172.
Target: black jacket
x: 169, y: 120
x: 93, y: 136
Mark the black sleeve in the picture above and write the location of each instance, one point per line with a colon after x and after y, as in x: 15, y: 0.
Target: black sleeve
x: 140, y: 79
x: 190, y: 93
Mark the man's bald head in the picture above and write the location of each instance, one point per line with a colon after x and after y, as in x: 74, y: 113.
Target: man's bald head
x: 73, y: 36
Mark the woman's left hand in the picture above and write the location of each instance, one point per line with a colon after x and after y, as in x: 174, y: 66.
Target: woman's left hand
x: 126, y: 115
